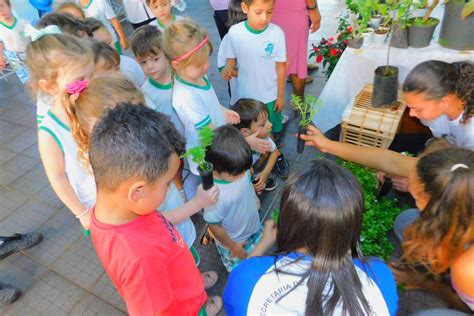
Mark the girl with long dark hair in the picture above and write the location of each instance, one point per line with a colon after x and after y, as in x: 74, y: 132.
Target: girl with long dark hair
x: 319, y: 268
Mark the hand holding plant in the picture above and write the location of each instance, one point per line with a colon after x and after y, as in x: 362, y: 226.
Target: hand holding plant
x: 198, y: 155
x: 206, y: 198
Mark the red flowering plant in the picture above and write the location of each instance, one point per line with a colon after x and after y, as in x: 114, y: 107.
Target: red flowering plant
x: 328, y: 51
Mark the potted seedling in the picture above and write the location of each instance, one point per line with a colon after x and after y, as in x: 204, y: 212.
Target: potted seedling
x: 457, y: 28
x: 401, y: 22
x: 308, y: 109
x: 421, y: 29
x: 385, y: 91
x: 198, y: 155
x: 275, y: 215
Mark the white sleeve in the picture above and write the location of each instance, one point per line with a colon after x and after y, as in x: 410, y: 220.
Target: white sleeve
x: 108, y: 11
x: 280, y: 52
x: 230, y: 46
x: 214, y: 214
x: 223, y: 53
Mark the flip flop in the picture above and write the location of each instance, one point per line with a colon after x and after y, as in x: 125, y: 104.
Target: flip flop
x: 312, y: 67
x: 213, y: 305
x: 309, y: 79
x: 210, y: 279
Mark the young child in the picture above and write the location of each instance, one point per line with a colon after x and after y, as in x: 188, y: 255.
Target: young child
x: 58, y: 63
x: 101, y: 10
x: 11, y: 29
x: 72, y: 9
x: 186, y: 45
x: 254, y: 119
x: 161, y: 9
x: 318, y: 268
x: 234, y: 220
x: 106, y: 60
x: 129, y: 67
x: 258, y: 48
x: 146, y: 44
x: 67, y: 23
x: 142, y: 252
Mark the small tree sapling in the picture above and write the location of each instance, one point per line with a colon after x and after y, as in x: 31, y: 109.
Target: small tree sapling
x: 198, y: 155
x: 308, y: 109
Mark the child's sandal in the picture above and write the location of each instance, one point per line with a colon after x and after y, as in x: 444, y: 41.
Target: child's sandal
x: 210, y: 279
x: 213, y: 305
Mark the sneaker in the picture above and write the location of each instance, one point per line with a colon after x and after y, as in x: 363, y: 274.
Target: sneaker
x: 17, y: 242
x: 282, y: 167
x: 8, y: 294
x: 284, y: 119
x: 270, y: 185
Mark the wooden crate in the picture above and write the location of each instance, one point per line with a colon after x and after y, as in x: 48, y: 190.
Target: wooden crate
x: 368, y: 126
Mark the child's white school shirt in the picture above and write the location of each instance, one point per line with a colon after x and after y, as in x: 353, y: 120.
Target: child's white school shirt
x: 222, y: 61
x: 160, y: 26
x: 137, y: 11
x: 197, y: 107
x: 456, y: 133
x: 257, y: 53
x: 237, y: 209
x: 12, y: 36
x: 132, y: 70
x: 81, y: 180
x: 102, y: 11
x: 160, y: 97
x: 44, y: 102
x: 173, y: 201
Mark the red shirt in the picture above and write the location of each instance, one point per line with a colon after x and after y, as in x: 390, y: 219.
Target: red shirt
x: 151, y: 266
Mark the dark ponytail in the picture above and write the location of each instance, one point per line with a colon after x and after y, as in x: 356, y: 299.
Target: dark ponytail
x: 436, y: 79
x: 321, y: 211
x: 236, y: 15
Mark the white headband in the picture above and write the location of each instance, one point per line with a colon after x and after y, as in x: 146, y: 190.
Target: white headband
x: 457, y: 166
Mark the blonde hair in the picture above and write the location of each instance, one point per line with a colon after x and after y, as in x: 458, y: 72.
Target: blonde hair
x: 102, y: 93
x: 47, y: 55
x: 62, y: 8
x: 181, y: 37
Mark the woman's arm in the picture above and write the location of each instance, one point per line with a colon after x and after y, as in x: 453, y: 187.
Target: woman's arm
x: 380, y: 159
x: 53, y: 162
x: 314, y: 15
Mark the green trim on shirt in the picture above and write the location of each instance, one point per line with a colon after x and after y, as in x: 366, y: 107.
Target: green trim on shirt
x: 160, y: 86
x: 11, y: 26
x: 173, y: 18
x: 251, y: 30
x: 204, y: 122
x: 57, y: 120
x: 56, y: 139
x: 87, y: 6
x: 214, y: 223
x: 221, y: 68
x: 219, y: 181
x: 205, y: 87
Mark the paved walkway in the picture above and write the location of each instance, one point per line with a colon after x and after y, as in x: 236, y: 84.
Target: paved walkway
x: 62, y: 275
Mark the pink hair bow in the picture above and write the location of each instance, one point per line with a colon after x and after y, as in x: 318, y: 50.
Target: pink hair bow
x: 77, y: 87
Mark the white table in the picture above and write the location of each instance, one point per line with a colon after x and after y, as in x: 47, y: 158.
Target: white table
x: 356, y: 67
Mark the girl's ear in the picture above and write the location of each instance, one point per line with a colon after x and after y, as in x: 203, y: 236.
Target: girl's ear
x: 244, y: 7
x: 48, y: 87
x: 174, y: 64
x: 245, y: 131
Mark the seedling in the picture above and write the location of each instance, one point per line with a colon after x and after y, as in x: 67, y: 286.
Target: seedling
x: 198, y: 155
x: 308, y: 109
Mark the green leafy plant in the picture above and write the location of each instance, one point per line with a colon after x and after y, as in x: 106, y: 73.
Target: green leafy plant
x: 379, y: 215
x: 426, y: 19
x: 307, y: 108
x: 198, y: 153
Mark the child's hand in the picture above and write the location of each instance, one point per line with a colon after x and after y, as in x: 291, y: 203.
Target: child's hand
x: 259, y: 145
x: 279, y: 104
x: 260, y: 185
x: 86, y: 220
x: 238, y: 251
x: 315, y: 138
x: 206, y: 198
x: 400, y: 183
x: 226, y: 73
x: 231, y: 117
x: 235, y: 72
x: 269, y: 232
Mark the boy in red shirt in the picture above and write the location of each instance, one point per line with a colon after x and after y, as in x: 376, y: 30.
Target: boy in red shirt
x: 134, y: 155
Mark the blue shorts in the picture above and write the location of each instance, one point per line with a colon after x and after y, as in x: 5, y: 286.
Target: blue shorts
x: 231, y: 262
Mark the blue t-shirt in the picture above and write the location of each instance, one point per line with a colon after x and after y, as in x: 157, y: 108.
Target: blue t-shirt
x: 254, y: 288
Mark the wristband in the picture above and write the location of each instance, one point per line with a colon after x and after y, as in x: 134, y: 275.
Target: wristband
x: 86, y: 211
x: 313, y: 7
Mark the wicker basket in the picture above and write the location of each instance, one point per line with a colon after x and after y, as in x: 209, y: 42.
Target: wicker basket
x: 368, y: 126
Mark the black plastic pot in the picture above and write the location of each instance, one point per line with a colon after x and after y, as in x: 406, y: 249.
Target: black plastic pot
x: 456, y: 32
x: 385, y: 87
x: 355, y: 42
x: 300, y: 145
x: 420, y: 35
x: 399, y: 37
x: 206, y: 176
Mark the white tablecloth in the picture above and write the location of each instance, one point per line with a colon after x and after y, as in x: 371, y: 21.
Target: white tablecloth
x: 356, y: 67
